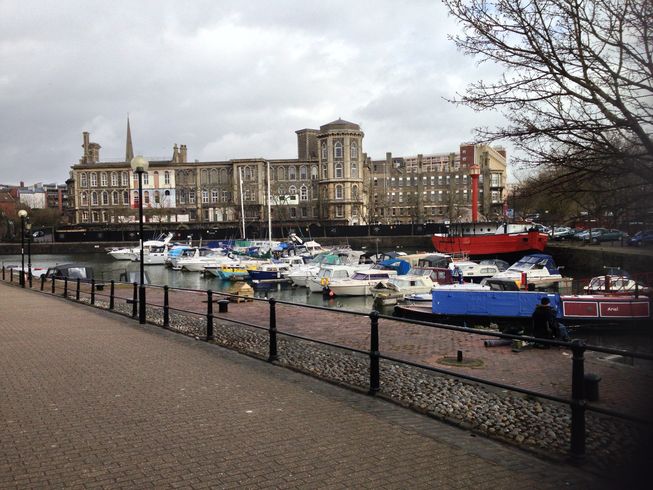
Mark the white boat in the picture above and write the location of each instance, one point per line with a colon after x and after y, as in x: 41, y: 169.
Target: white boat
x: 202, y: 258
x: 301, y: 275
x: 615, y: 284
x: 134, y: 253
x: 398, y: 287
x: 475, y: 272
x: 361, y: 283
x: 539, y: 271
x: 329, y: 273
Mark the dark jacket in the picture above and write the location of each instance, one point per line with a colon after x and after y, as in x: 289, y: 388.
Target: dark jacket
x: 545, y: 323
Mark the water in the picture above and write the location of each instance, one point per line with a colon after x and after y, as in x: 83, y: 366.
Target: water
x: 107, y: 268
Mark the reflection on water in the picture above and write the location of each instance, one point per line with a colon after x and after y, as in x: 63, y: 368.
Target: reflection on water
x: 106, y: 269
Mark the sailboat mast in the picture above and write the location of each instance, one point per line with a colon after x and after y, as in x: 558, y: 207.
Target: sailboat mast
x: 269, y: 210
x: 242, y: 203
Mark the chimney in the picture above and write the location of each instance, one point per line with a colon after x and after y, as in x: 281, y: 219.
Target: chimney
x: 85, y: 147
x: 183, y: 154
x: 175, y: 154
x: 22, y: 184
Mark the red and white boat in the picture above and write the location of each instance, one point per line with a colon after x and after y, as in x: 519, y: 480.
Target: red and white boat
x: 605, y: 308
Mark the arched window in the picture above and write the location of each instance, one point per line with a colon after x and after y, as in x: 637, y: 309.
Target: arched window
x: 273, y: 174
x: 146, y: 178
x: 337, y: 150
x: 302, y: 172
x: 281, y: 173
x: 281, y: 190
x: 292, y: 190
x: 204, y: 177
x: 83, y: 179
x: 166, y: 178
x: 247, y: 174
x: 125, y: 198
x: 83, y: 198
x: 224, y: 178
x: 292, y: 173
x: 338, y: 170
x: 114, y: 198
x: 94, y: 200
x: 314, y: 172
x: 181, y: 196
x: 324, y: 151
x: 93, y: 179
x: 303, y: 193
x: 136, y: 199
x: 157, y: 197
x: 354, y: 151
x: 105, y: 198
x: 354, y: 192
x: 114, y: 179
x: 213, y: 176
x: 124, y: 179
x: 354, y: 170
x: 324, y: 171
x: 146, y: 198
x: 104, y: 181
x: 339, y: 191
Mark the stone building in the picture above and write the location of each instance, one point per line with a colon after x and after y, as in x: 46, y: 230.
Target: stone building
x: 330, y: 182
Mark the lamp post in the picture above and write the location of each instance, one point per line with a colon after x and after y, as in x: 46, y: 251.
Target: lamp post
x: 28, y: 227
x: 140, y: 165
x: 22, y: 214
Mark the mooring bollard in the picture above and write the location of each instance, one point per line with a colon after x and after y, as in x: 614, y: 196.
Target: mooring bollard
x: 223, y: 306
x: 77, y: 289
x: 209, y: 315
x: 375, y: 382
x: 273, y: 355
x: 65, y: 287
x: 166, y: 307
x: 111, y: 294
x: 135, y: 301
x: 578, y: 401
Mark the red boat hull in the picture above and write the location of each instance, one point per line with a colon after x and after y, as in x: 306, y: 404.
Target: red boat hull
x: 604, y: 307
x: 506, y: 243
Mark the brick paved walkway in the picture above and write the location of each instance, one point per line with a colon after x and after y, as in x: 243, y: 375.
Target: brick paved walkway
x: 92, y: 399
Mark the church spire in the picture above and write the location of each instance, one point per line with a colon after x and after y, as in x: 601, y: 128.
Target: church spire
x: 129, y: 151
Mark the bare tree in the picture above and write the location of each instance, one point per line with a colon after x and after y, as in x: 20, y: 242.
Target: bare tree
x: 577, y: 87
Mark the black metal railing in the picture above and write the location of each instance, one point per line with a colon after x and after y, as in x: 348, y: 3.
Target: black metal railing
x: 578, y: 402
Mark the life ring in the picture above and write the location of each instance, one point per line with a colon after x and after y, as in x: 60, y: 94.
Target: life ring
x: 324, y: 281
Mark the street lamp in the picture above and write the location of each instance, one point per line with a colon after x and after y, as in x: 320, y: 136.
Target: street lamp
x: 23, y: 214
x: 28, y: 227
x: 140, y: 165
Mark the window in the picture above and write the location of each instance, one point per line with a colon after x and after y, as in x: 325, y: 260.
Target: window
x: 338, y: 170
x: 191, y: 197
x: 214, y: 195
x: 354, y: 151
x: 103, y: 216
x: 94, y: 200
x: 324, y: 151
x: 354, y: 192
x: 340, y: 210
x: 83, y: 180
x: 103, y: 179
x: 495, y: 196
x: 205, y: 197
x: 303, y: 193
x: 225, y: 196
x: 314, y: 172
x: 146, y: 198
x: 114, y: 198
x: 324, y: 172
x: 124, y: 177
x: 495, y: 180
x: 83, y: 198
x: 125, y: 198
x: 247, y: 174
x: 292, y: 173
x: 354, y: 170
x: 339, y: 192
x: 114, y: 179
x: 354, y: 211
x: 85, y: 216
x: 157, y: 197
x: 95, y: 217
x: 293, y: 212
x: 93, y: 179
x: 281, y: 173
x: 105, y: 198
x: 304, y: 212
x: 182, y: 196
x: 337, y: 150
x: 146, y: 178
x: 303, y: 172
x: 166, y: 178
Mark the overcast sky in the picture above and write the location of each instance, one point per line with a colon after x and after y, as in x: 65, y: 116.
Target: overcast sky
x: 228, y: 79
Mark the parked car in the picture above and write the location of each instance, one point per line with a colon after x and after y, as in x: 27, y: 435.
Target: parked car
x: 641, y: 238
x: 599, y: 235
x: 562, y: 233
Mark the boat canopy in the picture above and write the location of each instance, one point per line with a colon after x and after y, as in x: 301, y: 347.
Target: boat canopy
x: 401, y: 266
x: 535, y: 261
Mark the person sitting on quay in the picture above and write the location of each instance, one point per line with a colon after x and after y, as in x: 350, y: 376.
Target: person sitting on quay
x: 546, y: 324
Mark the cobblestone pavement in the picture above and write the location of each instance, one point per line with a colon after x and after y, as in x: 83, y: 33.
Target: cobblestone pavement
x: 92, y: 399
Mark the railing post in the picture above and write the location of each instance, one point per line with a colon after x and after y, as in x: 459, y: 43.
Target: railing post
x: 209, y: 315
x: 166, y: 307
x: 65, y: 287
x: 3, y: 272
x: 29, y: 277
x: 111, y: 294
x: 78, y: 288
x: 273, y: 355
x: 11, y: 275
x: 374, y: 354
x: 578, y: 401
x: 92, y: 291
x: 42, y: 282
x: 54, y: 279
x: 135, y: 301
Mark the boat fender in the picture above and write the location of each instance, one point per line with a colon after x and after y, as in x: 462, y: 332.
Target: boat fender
x: 324, y: 281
